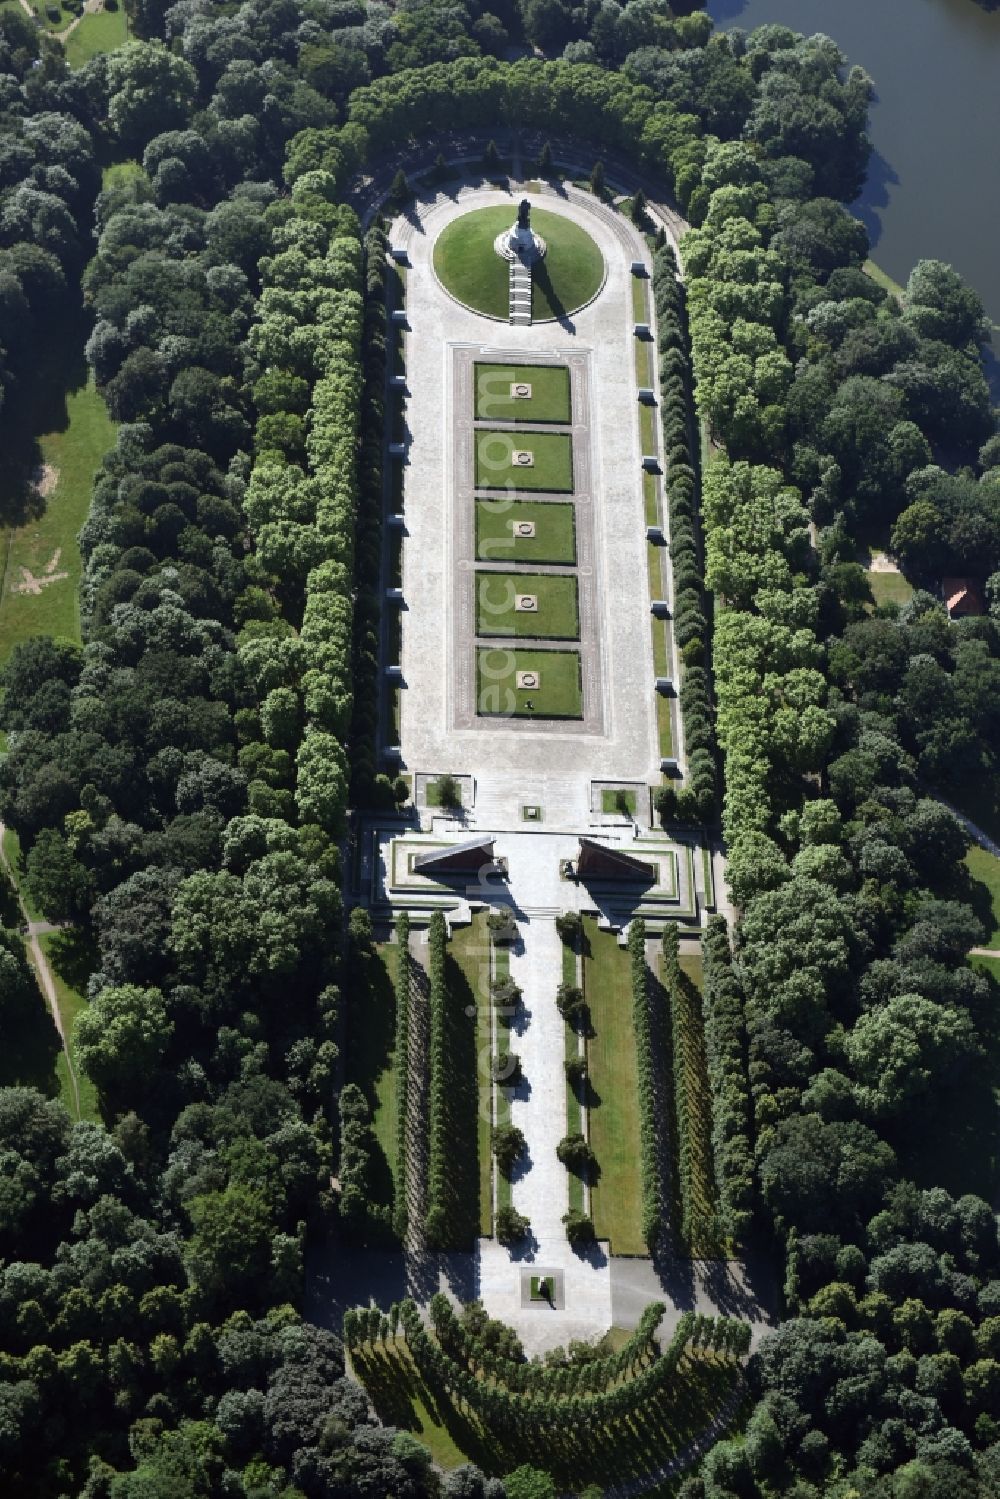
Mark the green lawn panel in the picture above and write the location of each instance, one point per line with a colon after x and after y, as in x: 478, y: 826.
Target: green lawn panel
x: 497, y: 539
x: 550, y: 399
x: 552, y: 469
x: 614, y: 1088
x: 557, y: 616
x: 560, y: 694
x: 98, y: 31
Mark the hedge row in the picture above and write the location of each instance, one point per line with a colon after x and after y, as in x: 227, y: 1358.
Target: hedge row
x: 692, y: 1112
x: 573, y: 100
x: 401, y: 1066
x: 439, y: 1179
x: 699, y: 799
x: 522, y: 1412
x: 357, y: 1147
x: 732, y: 1115
x: 652, y: 1190
x: 368, y: 544
x: 543, y: 1379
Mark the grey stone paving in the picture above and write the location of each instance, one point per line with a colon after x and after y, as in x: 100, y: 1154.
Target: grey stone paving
x: 622, y: 744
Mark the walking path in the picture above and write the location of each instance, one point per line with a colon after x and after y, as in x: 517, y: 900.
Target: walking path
x: 983, y: 839
x: 34, y: 930
x: 538, y: 1107
x: 90, y: 8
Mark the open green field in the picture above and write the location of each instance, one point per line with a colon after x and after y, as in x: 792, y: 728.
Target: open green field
x: 558, y: 695
x: 889, y: 588
x: 99, y: 32
x: 640, y: 308
x: 556, y: 617
x: 586, y: 1454
x: 550, y: 471
x: 470, y: 269
x: 497, y: 538
x: 550, y: 399
x: 616, y: 1198
x: 96, y: 31
x: 650, y: 498
x: 41, y: 559
x: 371, y: 1048
x: 984, y: 868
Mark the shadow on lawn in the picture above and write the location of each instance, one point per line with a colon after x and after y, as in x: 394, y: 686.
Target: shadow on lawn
x: 30, y: 1040
x: 632, y: 1446
x: 36, y: 406
x: 543, y: 282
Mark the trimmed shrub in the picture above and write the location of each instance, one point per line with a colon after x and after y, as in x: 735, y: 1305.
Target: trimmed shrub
x: 401, y: 1067
x: 579, y: 1228
x: 726, y: 1048
x: 508, y: 1146
x: 512, y: 1227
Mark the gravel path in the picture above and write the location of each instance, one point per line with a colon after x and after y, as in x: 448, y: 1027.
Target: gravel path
x: 983, y: 839
x: 36, y: 929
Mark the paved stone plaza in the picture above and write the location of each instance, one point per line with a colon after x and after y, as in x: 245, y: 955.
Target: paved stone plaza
x: 438, y: 725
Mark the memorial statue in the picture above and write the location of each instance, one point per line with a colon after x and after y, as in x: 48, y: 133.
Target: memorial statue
x: 522, y: 248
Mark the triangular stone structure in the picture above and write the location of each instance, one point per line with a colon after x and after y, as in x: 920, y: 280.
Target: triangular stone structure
x: 599, y: 861
x: 456, y: 858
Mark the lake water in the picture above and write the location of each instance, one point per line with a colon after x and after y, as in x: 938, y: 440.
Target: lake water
x: 934, y: 176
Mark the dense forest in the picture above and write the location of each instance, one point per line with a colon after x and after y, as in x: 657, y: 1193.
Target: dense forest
x: 180, y: 784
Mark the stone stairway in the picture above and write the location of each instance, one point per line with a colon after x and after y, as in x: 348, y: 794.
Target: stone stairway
x: 520, y: 292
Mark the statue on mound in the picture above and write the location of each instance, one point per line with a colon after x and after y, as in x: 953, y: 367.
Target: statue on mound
x: 520, y: 243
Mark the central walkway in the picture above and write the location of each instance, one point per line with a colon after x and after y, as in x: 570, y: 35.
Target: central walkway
x: 541, y: 1192
x: 539, y: 1108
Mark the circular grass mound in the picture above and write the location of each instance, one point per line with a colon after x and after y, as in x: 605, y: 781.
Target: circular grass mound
x: 467, y: 265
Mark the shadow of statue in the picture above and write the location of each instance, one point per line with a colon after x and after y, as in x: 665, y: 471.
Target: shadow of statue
x: 542, y: 279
